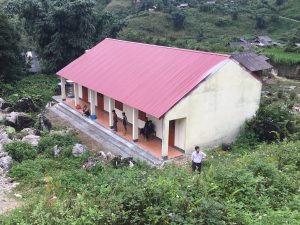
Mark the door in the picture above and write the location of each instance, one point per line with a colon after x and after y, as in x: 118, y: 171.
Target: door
x: 100, y: 101
x: 85, y: 94
x: 172, y: 133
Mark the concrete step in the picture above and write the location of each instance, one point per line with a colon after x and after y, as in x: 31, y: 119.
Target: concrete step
x: 114, y: 142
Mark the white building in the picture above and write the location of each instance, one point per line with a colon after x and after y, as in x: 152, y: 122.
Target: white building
x: 193, y: 97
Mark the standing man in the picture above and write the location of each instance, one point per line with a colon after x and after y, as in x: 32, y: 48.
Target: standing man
x: 197, y: 157
x: 124, y: 121
x: 115, y: 120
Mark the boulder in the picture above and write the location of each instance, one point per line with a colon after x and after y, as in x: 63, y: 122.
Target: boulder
x: 31, y: 131
x: 91, y: 163
x: 8, y: 110
x: 18, y: 120
x: 78, y: 150
x: 4, y: 139
x: 56, y: 151
x: 6, y: 163
x: 5, y: 105
x: 1, y: 102
x: 44, y: 123
x: 33, y: 140
x: 25, y: 105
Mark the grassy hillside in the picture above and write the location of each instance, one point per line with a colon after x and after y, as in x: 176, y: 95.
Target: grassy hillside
x: 216, y: 25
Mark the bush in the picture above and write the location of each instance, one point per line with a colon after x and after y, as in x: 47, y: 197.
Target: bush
x: 20, y: 151
x: 47, y: 143
x: 178, y: 19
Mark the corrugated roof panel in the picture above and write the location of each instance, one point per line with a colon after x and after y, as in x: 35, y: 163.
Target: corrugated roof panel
x: 147, y: 77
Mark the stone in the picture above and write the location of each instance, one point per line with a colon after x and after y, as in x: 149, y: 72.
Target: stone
x: 31, y: 131
x: 56, y: 151
x: 78, y: 150
x: 1, y: 102
x: 25, y: 105
x: 110, y: 156
x: 44, y: 123
x: 33, y: 140
x: 91, y: 163
x: 8, y: 110
x: 1, y: 171
x: 18, y: 120
x: 5, y: 105
x: 101, y: 154
x: 6, y: 163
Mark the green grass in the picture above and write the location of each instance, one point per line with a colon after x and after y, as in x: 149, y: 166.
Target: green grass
x: 278, y: 55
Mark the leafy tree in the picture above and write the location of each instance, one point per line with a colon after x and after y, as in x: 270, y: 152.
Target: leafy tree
x: 64, y: 29
x: 260, y: 22
x: 10, y: 59
x: 279, y: 2
x: 178, y: 19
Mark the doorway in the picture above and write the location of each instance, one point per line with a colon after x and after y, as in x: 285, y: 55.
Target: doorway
x: 172, y: 133
x: 100, y: 101
x: 85, y: 94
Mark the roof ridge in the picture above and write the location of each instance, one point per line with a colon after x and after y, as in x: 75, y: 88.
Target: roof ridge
x: 174, y: 48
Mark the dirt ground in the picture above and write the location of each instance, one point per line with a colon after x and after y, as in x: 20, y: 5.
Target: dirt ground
x: 7, y: 203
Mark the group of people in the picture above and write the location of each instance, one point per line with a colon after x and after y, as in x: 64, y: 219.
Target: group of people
x: 148, y: 130
x: 115, y: 121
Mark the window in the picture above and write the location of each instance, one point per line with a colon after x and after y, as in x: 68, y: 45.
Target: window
x: 142, y: 116
x: 118, y: 105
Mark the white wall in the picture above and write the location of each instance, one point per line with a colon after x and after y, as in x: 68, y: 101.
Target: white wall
x: 105, y: 99
x: 217, y: 108
x: 80, y: 90
x: 180, y: 133
x: 157, y: 123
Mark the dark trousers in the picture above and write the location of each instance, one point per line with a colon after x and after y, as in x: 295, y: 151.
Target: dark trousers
x: 196, y: 166
x: 115, y: 125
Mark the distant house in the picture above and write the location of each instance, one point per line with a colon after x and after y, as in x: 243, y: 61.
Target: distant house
x: 183, y: 5
x: 252, y: 61
x: 263, y: 41
x: 192, y: 97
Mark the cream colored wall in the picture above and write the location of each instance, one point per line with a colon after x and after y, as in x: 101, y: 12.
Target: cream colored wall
x: 217, y: 108
x: 80, y: 90
x: 105, y: 99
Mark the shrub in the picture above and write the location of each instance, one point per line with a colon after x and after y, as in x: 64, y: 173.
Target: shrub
x: 20, y: 151
x: 47, y: 142
x: 178, y: 19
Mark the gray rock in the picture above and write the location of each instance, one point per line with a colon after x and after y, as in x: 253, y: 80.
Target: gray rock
x: 91, y: 163
x: 1, y: 171
x: 56, y: 151
x: 33, y: 140
x: 44, y: 123
x: 78, y: 150
x: 5, y: 105
x: 25, y: 105
x: 1, y: 102
x: 8, y: 110
x: 6, y: 163
x: 18, y: 120
x: 31, y: 131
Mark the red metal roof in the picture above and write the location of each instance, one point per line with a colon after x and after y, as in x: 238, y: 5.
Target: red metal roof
x: 147, y: 77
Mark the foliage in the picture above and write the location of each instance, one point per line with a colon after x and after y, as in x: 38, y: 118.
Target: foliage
x: 10, y: 54
x: 47, y: 143
x: 60, y: 43
x: 20, y: 151
x: 38, y: 87
x: 235, y: 188
x: 178, y: 19
x: 260, y: 22
x: 278, y: 55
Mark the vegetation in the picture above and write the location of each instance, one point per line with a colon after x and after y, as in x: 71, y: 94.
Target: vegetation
x: 40, y: 88
x: 10, y: 58
x: 244, y: 186
x: 20, y: 151
x: 278, y: 55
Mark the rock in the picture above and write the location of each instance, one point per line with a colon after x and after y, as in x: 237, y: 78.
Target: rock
x: 2, y: 117
x: 110, y: 156
x: 8, y: 110
x: 91, y: 163
x: 18, y: 120
x: 101, y: 154
x: 62, y: 132
x: 78, y: 150
x: 10, y: 130
x: 4, y: 139
x: 1, y: 102
x: 25, y: 105
x: 5, y: 105
x: 1, y: 171
x: 30, y: 131
x: 116, y: 161
x: 33, y: 140
x: 131, y: 164
x: 44, y: 123
x: 56, y: 151
x: 6, y: 163
x: 18, y: 195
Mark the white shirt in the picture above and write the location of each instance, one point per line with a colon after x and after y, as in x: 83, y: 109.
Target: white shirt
x: 197, y: 157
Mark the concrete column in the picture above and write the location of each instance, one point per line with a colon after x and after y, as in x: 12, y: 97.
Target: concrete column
x: 63, y: 88
x: 165, y: 140
x: 111, y: 106
x: 76, y: 94
x: 93, y: 103
x: 135, y: 126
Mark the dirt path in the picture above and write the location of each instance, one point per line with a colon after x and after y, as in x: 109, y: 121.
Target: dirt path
x: 6, y: 186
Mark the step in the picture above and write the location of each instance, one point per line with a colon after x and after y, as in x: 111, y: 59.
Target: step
x: 114, y: 142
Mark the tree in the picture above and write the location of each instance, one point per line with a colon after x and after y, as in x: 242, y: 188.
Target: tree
x: 64, y: 29
x: 10, y: 57
x: 260, y: 22
x: 178, y: 19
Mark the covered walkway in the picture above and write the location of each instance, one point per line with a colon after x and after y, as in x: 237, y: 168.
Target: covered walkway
x: 152, y: 146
